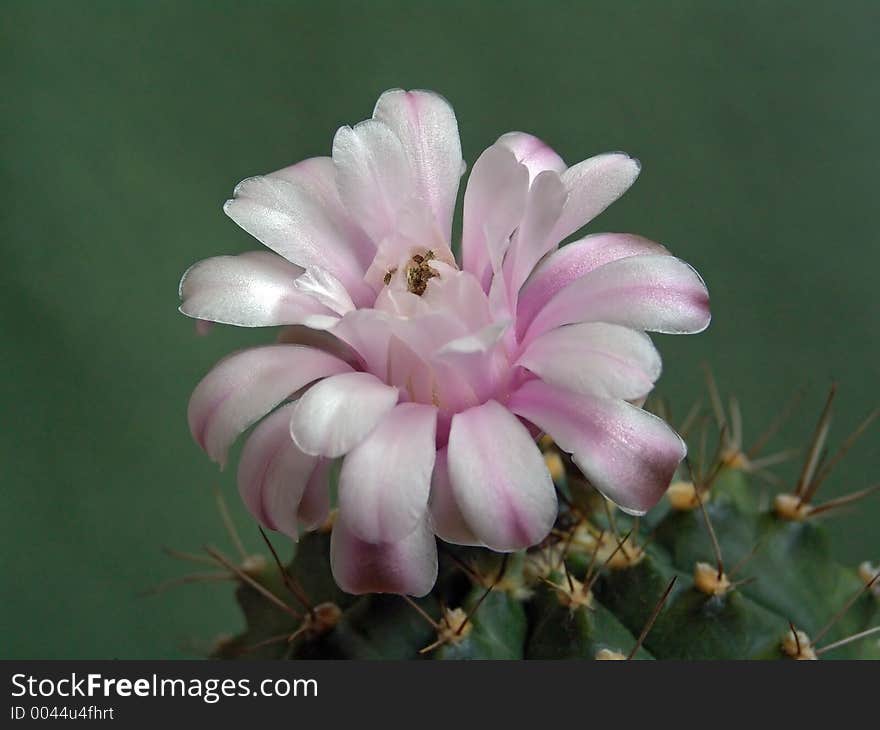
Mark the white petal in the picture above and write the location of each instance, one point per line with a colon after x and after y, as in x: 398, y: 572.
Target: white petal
x: 325, y: 288
x: 253, y: 289
x: 573, y: 261
x: 653, y: 293
x: 297, y: 213
x: 426, y: 126
x: 532, y: 152
x: 597, y: 358
x: 493, y: 206
x: 373, y: 174
x: 273, y: 473
x: 408, y: 566
x: 314, y: 508
x: 499, y: 478
x: 245, y: 386
x: 592, y: 186
x: 627, y: 454
x: 533, y: 239
x: 446, y: 518
x: 338, y: 413
x: 386, y: 479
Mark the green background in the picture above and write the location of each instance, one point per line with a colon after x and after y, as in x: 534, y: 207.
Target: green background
x: 126, y: 125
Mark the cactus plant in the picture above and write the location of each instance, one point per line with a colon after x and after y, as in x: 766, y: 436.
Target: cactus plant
x: 718, y: 570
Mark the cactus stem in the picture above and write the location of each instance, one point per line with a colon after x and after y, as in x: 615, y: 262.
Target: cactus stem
x: 419, y: 610
x: 257, y: 586
x: 746, y: 558
x: 190, y: 557
x: 453, y: 629
x: 709, y: 581
x: 791, y: 507
x: 779, y: 457
x: 816, y: 445
x: 682, y: 496
x: 716, y: 548
x: 185, y: 580
x: 868, y: 573
x: 797, y: 645
x: 848, y: 640
x: 690, y: 419
x: 776, y: 424
x: 223, y: 509
x: 501, y: 571
x: 843, y: 501
x: 573, y: 595
x: 715, y: 397
x: 846, y: 606
x: 590, y: 581
x: 842, y: 451
x: 290, y: 582
x: 649, y: 624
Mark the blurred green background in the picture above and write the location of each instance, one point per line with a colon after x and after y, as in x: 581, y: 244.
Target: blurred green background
x: 126, y: 125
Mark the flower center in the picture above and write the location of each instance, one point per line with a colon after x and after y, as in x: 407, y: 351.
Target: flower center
x: 418, y: 273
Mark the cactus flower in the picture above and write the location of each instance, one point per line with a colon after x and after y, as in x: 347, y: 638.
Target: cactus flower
x: 431, y: 374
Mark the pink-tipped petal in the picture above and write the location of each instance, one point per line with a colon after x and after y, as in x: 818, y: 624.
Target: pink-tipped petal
x: 335, y: 415
x: 596, y: 358
x: 499, y: 478
x: 426, y: 126
x: 627, y: 454
x: 247, y: 385
x: 532, y: 152
x: 273, y: 473
x: 297, y: 213
x: 493, y: 206
x: 314, y: 508
x: 573, y: 261
x: 533, y: 239
x: 406, y: 567
x: 446, y: 519
x: 592, y: 186
x: 323, y: 287
x: 654, y: 293
x: 373, y: 174
x: 386, y: 479
x: 253, y: 289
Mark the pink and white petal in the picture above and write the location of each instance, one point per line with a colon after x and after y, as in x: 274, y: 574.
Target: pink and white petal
x: 654, y: 293
x: 493, y: 205
x: 273, y: 473
x: 446, y: 519
x: 406, y: 567
x: 335, y: 415
x: 596, y: 358
x: 628, y: 454
x: 499, y: 478
x: 426, y: 126
x: 244, y: 387
x: 573, y: 261
x: 386, y: 479
x: 317, y: 175
x: 323, y: 287
x: 314, y: 508
x: 297, y: 334
x: 532, y: 152
x: 373, y: 174
x: 367, y: 332
x: 292, y: 217
x: 533, y: 240
x: 253, y: 289
x: 476, y: 360
x: 592, y: 186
